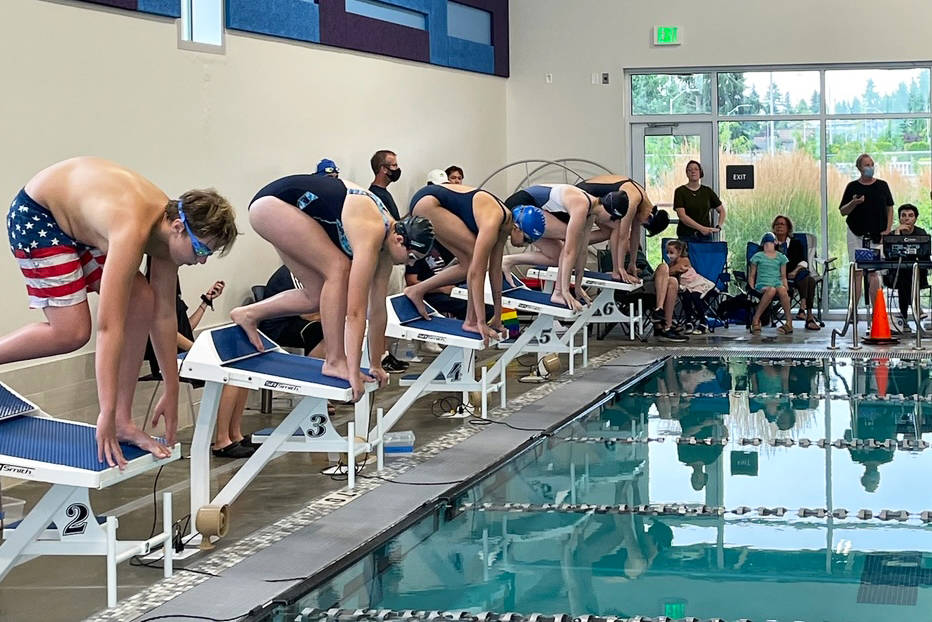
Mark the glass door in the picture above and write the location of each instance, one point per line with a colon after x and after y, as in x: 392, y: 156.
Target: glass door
x: 659, y: 155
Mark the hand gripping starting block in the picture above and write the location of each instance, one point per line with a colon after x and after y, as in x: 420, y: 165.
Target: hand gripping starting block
x: 454, y: 369
x: 39, y: 448
x: 223, y: 356
x: 538, y: 336
x: 604, y: 309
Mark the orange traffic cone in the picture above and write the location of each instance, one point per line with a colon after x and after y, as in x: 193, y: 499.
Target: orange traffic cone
x: 880, y: 324
x: 882, y: 377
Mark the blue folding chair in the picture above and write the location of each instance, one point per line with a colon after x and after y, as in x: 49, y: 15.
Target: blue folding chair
x: 710, y: 260
x: 774, y: 311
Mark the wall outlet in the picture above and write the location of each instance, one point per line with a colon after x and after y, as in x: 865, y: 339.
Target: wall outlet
x: 605, y: 77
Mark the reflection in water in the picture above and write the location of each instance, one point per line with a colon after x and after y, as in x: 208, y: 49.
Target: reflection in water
x: 729, y: 566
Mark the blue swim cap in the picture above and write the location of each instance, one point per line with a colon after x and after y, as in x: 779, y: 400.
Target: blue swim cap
x: 768, y: 237
x: 530, y: 220
x: 326, y: 167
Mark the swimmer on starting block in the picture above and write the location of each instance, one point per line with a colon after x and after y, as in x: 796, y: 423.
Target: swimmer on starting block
x: 567, y: 215
x: 340, y: 241
x: 626, y: 236
x: 62, y: 225
x: 474, y: 225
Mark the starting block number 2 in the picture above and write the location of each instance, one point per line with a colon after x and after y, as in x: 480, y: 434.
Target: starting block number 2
x: 78, y: 513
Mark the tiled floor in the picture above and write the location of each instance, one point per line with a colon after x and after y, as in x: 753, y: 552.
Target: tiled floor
x: 76, y: 585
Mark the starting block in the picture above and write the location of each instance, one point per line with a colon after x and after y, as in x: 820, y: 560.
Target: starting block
x: 39, y: 448
x: 224, y: 356
x: 538, y: 336
x: 604, y: 309
x: 454, y: 369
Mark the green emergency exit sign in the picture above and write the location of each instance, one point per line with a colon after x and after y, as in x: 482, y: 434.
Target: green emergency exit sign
x: 666, y: 35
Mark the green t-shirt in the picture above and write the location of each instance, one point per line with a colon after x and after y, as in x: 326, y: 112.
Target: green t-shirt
x: 768, y: 269
x: 698, y: 205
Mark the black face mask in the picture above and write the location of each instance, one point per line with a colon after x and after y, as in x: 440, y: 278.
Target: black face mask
x: 393, y: 174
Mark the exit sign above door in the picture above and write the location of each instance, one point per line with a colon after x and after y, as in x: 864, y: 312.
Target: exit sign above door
x: 667, y: 35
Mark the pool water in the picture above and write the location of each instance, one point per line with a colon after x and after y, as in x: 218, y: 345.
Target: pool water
x: 730, y: 446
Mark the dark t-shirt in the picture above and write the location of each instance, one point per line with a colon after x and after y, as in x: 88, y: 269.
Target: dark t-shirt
x: 280, y: 281
x: 386, y: 198
x: 698, y: 205
x: 870, y: 217
x: 435, y: 261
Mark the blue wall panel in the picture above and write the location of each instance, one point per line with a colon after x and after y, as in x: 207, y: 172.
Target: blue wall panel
x: 437, y: 27
x: 470, y: 55
x: 169, y: 8
x: 291, y: 19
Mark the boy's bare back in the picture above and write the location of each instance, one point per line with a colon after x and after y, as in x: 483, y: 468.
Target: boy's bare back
x: 88, y: 196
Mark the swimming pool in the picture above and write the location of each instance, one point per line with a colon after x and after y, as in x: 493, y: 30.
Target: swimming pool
x: 712, y: 488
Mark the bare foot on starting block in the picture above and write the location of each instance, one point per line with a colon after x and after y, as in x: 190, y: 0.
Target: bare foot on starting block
x: 243, y: 318
x: 134, y: 436
x: 417, y: 300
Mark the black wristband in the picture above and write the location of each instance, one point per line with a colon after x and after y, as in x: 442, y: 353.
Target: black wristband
x: 207, y: 301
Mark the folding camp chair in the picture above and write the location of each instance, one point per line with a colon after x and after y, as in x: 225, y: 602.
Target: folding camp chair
x: 710, y: 260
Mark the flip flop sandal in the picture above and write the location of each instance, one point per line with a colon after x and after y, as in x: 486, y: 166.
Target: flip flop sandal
x: 785, y: 329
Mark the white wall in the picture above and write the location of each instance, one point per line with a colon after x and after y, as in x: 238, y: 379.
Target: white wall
x: 87, y: 80
x: 573, y: 40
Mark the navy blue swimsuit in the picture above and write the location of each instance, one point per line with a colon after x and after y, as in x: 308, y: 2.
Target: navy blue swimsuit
x: 460, y: 203
x: 321, y: 197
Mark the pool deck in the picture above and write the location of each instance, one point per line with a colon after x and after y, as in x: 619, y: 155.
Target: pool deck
x: 313, y: 547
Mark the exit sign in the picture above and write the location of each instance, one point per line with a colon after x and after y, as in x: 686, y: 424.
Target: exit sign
x: 667, y: 35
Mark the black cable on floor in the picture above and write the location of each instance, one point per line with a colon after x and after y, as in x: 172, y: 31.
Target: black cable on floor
x: 194, y: 617
x: 482, y: 422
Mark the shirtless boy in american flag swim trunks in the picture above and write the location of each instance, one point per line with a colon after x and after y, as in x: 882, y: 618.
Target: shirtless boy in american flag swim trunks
x: 83, y: 225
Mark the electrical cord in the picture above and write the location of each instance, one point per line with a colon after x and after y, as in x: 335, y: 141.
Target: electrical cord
x: 194, y: 617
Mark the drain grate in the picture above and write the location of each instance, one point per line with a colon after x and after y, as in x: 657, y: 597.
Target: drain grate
x: 890, y: 579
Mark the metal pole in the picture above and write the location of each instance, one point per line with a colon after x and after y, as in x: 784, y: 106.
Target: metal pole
x: 851, y: 314
x: 915, y: 294
x: 853, y: 308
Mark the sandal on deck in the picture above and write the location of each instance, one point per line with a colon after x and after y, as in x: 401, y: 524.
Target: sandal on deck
x: 813, y: 325
x: 785, y: 329
x: 755, y: 328
x: 800, y: 316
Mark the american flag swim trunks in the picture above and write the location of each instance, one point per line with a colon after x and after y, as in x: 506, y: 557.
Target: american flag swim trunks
x: 59, y: 271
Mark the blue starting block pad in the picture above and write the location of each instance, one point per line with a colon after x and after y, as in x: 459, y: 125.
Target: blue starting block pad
x: 604, y: 309
x: 522, y: 298
x: 224, y: 356
x: 404, y: 322
x: 453, y: 370
x: 36, y: 447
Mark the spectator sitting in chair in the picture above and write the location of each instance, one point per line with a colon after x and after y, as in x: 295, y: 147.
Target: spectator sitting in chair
x: 293, y: 331
x: 902, y: 277
x: 767, y: 275
x: 229, y: 441
x: 666, y: 288
x: 797, y: 268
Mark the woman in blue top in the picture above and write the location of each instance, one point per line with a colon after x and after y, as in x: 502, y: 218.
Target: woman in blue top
x: 767, y: 274
x: 340, y: 242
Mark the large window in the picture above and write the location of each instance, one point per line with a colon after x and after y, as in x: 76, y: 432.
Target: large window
x: 783, y: 121
x: 202, y: 22
x: 671, y: 94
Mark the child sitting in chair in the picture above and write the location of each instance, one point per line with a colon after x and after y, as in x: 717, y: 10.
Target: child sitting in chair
x: 767, y: 275
x: 675, y: 276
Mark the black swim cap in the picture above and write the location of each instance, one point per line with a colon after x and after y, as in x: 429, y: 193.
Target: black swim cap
x: 658, y: 221
x: 616, y: 204
x: 418, y: 233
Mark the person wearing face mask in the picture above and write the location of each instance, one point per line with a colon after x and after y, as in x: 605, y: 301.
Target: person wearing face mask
x: 867, y: 204
x: 385, y: 167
